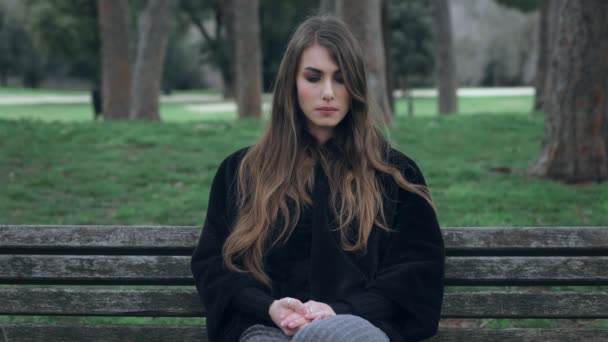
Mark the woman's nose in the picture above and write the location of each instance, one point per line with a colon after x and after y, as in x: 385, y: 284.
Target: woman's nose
x: 328, y: 91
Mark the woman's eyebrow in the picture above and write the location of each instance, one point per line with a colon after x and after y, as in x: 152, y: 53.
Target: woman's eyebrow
x: 337, y: 71
x: 313, y: 70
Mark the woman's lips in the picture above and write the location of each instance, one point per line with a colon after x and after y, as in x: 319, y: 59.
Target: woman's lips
x: 327, y: 110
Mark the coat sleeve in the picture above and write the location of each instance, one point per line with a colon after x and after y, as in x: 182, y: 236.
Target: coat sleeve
x: 411, y: 272
x: 216, y: 285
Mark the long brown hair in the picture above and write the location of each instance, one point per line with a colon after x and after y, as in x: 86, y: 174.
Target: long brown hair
x: 276, y: 174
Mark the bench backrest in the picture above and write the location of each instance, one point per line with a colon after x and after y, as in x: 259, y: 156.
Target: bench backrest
x: 40, y: 264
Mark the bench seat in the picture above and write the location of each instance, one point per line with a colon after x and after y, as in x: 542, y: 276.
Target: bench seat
x: 113, y: 271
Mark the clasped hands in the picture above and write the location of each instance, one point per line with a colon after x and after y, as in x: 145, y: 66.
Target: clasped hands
x: 291, y: 315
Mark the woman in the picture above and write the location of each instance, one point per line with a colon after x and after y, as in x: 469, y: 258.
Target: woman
x: 320, y: 231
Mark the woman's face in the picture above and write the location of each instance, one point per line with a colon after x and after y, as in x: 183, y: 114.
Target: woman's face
x: 322, y: 95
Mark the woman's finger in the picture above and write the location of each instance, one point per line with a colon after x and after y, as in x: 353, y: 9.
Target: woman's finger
x: 297, y: 323
x: 293, y: 303
x: 315, y: 316
x: 291, y: 317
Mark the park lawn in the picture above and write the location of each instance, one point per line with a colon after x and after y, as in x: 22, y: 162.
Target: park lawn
x: 151, y: 173
x: 427, y: 106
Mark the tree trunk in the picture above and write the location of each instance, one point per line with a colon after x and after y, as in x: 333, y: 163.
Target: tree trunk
x: 152, y: 43
x: 114, y: 27
x: 445, y: 71
x: 549, y: 18
x: 228, y: 72
x: 365, y: 20
x: 247, y: 58
x: 327, y: 7
x: 576, y: 132
x: 388, y: 60
x: 543, y: 56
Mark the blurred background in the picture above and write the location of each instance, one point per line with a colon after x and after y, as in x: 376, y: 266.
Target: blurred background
x: 57, y: 44
x: 119, y: 112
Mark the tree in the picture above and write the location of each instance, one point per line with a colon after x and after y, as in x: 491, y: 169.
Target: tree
x: 447, y: 82
x: 17, y: 52
x: 247, y: 58
x: 152, y: 43
x: 278, y: 20
x: 523, y: 5
x: 575, y: 146
x: 365, y: 20
x: 549, y: 19
x: 388, y: 61
x: 65, y: 37
x: 411, y: 50
x: 116, y: 66
x: 327, y: 7
x: 217, y: 43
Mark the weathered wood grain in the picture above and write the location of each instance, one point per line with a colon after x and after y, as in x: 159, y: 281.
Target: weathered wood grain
x: 181, y: 240
x: 521, y: 335
x: 527, y: 270
x: 102, y: 255
x: 170, y: 333
x: 95, y: 269
x: 525, y: 304
x: 101, y: 302
x: 185, y: 303
x: 527, y: 241
x: 98, y: 239
x: 101, y: 333
x: 175, y: 270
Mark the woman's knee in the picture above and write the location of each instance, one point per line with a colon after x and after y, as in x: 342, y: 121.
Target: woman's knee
x: 341, y: 328
x: 262, y: 333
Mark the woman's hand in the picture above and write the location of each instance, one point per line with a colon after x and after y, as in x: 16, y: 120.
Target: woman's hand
x: 288, y: 310
x: 317, y: 311
x: 307, y: 313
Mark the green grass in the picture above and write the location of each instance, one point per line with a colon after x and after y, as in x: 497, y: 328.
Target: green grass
x: 427, y: 106
x: 159, y: 173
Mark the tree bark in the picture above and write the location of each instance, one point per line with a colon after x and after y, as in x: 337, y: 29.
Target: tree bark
x: 388, y: 60
x: 447, y: 82
x: 549, y: 19
x: 114, y: 27
x: 365, y: 20
x: 226, y: 8
x: 327, y: 7
x: 247, y: 58
x: 152, y: 44
x: 543, y: 55
x: 575, y: 147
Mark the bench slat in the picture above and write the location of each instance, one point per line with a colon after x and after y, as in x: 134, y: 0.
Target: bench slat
x: 175, y: 270
x: 185, y: 303
x: 169, y: 333
x: 181, y: 240
x: 527, y: 271
x: 521, y: 335
x: 527, y: 241
x: 100, y: 302
x: 96, y: 270
x: 98, y: 239
x: 102, y: 333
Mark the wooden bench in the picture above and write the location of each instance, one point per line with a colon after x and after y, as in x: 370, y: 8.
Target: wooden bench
x: 49, y: 259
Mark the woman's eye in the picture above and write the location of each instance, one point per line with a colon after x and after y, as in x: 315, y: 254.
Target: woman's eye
x: 312, y: 79
x: 339, y: 79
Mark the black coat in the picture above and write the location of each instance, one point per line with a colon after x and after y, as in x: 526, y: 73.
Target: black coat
x: 397, y: 284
